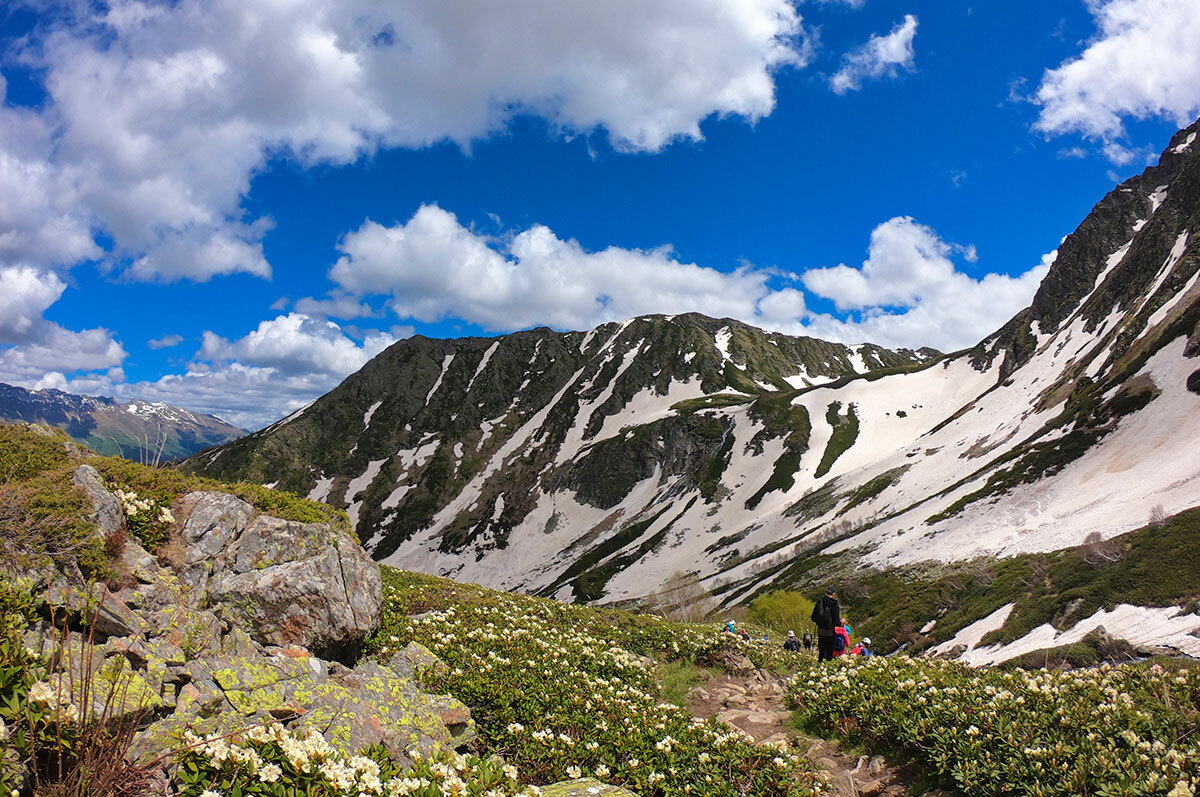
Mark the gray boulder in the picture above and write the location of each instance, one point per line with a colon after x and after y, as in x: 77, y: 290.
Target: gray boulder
x: 285, y: 583
x: 106, y: 509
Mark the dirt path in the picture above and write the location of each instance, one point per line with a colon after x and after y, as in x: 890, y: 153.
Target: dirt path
x: 753, y: 701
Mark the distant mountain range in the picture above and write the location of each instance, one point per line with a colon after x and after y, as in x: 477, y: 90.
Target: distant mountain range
x: 142, y: 431
x: 593, y: 465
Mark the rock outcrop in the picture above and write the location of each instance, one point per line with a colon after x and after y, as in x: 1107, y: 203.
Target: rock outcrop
x: 245, y: 624
x: 286, y: 583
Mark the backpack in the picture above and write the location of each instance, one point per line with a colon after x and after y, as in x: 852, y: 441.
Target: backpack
x: 821, y: 615
x: 839, y: 642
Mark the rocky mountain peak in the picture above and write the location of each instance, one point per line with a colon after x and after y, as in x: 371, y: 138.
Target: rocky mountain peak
x: 590, y: 465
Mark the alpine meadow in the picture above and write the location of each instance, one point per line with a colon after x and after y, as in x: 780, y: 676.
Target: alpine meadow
x: 733, y: 399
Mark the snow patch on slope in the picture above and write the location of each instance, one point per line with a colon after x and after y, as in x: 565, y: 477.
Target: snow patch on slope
x: 973, y: 633
x: 357, y: 485
x: 438, y: 383
x: 369, y: 413
x: 1153, y: 446
x: 320, y: 490
x: 1167, y: 626
x: 487, y: 356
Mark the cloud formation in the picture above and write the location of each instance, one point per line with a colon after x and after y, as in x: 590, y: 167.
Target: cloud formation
x: 283, y: 364
x: 1144, y: 62
x: 881, y: 56
x: 908, y: 292
x: 165, y: 342
x: 158, y: 115
x: 297, y: 344
x: 35, y: 345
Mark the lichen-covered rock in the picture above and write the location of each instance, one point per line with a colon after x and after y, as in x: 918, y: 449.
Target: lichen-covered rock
x: 352, y: 709
x: 196, y: 632
x: 110, y: 615
x: 375, y: 706
x: 139, y: 563
x: 417, y: 661
x: 94, y: 606
x: 167, y: 734
x: 585, y: 787
x: 284, y: 582
x: 211, y: 522
x: 238, y: 643
x: 114, y: 691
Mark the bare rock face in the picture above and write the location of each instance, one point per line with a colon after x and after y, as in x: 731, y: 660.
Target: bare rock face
x: 106, y: 509
x: 285, y: 583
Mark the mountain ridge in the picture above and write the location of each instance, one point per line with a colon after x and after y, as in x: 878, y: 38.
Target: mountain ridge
x: 139, y: 430
x: 591, y: 465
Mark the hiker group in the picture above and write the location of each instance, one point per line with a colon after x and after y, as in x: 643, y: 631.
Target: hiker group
x: 833, y: 633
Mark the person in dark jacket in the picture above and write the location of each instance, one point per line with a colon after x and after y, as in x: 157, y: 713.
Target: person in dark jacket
x: 792, y: 643
x: 808, y: 643
x: 827, y: 614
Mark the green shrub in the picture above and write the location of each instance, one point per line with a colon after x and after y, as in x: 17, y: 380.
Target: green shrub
x: 274, y: 762
x: 1125, y: 730
x: 25, y: 451
x: 845, y: 432
x: 783, y: 611
x: 558, y: 688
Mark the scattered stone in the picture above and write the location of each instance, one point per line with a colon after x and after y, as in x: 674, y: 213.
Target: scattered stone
x: 110, y: 615
x: 737, y: 664
x: 139, y: 563
x: 584, y: 787
x: 841, y: 784
x: 416, y: 661
x: 196, y: 632
x: 238, y: 643
x: 870, y: 787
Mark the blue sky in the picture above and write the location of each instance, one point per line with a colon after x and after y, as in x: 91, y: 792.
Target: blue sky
x: 233, y: 205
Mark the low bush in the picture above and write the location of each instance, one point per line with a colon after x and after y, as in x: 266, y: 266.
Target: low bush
x: 559, y: 690
x: 52, y: 746
x: 270, y: 761
x: 1126, y: 730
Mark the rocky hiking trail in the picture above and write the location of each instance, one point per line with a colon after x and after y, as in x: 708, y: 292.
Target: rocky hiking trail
x: 753, y: 700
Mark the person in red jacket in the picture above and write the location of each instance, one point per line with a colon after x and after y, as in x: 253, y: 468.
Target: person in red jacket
x: 862, y: 648
x: 841, y: 640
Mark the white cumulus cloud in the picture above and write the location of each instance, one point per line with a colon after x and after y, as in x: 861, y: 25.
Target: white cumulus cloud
x: 434, y: 268
x: 165, y: 342
x: 882, y: 56
x: 30, y: 345
x: 159, y: 114
x: 278, y: 367
x: 297, y: 344
x: 908, y: 292
x: 1144, y: 62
